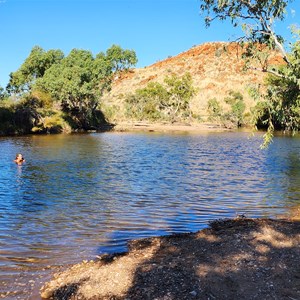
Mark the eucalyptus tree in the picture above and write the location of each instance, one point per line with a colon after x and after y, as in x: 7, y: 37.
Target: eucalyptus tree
x: 76, y: 84
x: 34, y: 67
x: 120, y: 59
x: 3, y: 93
x: 79, y: 81
x: 73, y: 83
x: 257, y: 18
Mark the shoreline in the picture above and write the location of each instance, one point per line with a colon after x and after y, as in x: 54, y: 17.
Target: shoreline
x: 238, y: 258
x: 167, y: 127
x: 145, y: 127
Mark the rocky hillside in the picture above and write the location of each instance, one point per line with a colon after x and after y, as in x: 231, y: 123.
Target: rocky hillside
x: 216, y: 69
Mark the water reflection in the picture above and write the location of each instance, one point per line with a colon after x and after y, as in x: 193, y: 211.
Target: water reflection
x: 81, y: 195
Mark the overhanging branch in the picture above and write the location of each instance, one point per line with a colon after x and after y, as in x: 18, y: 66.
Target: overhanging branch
x: 267, y: 71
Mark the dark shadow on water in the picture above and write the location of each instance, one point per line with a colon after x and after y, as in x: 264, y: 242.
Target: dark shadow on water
x: 118, y: 240
x: 106, y: 127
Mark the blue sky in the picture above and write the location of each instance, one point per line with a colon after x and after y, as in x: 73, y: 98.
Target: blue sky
x: 155, y: 29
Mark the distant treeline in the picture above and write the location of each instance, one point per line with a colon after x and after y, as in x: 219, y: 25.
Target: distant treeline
x: 51, y: 92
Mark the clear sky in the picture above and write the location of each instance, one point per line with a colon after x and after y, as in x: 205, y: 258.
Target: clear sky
x: 155, y: 29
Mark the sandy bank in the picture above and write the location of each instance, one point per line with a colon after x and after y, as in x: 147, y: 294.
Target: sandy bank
x: 166, y: 127
x: 232, y: 259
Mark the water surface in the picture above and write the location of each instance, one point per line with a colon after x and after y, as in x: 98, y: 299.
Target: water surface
x: 78, y: 196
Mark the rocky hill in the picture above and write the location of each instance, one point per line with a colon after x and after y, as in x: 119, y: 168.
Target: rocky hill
x: 216, y: 69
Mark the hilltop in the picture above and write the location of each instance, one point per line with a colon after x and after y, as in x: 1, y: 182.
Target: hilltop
x: 216, y: 68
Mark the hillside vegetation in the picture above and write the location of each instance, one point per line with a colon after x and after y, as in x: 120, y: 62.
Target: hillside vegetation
x: 218, y: 75
x: 52, y: 92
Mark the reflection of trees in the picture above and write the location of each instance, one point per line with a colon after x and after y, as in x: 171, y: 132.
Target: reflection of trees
x: 282, y: 174
x: 292, y: 184
x: 293, y: 174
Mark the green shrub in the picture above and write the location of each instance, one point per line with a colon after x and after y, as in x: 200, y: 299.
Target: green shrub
x: 215, y: 110
x: 236, y: 101
x: 168, y: 101
x: 234, y: 116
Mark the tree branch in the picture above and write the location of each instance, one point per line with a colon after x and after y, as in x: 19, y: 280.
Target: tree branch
x: 279, y: 45
x: 267, y: 71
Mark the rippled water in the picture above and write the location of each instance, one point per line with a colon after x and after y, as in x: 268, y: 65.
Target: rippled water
x: 79, y: 196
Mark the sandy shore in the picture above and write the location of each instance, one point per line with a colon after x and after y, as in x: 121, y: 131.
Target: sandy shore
x: 166, y: 127
x: 232, y: 259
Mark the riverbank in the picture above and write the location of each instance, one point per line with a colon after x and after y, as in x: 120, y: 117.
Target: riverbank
x: 232, y: 259
x: 143, y: 126
x: 168, y: 127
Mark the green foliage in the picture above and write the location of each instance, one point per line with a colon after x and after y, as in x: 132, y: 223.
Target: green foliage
x: 257, y: 19
x: 16, y: 118
x: 111, y: 112
x: 120, y: 59
x: 232, y: 118
x: 180, y: 92
x: 35, y: 112
x: 147, y: 103
x: 254, y: 91
x: 35, y: 66
x: 238, y: 107
x: 280, y: 106
x: 215, y: 110
x: 268, y: 136
x: 51, y: 89
x: 79, y: 81
x: 234, y: 97
x: 3, y: 94
x: 167, y: 101
x: 51, y: 122
x: 73, y: 83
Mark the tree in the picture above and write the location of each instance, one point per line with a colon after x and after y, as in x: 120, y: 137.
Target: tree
x: 3, y: 93
x: 79, y: 81
x: 257, y: 18
x: 180, y: 91
x: 34, y: 67
x: 120, y: 59
x: 236, y: 101
x: 281, y: 106
x: 75, y: 84
x: 162, y: 101
x: 148, y: 103
x: 49, y: 82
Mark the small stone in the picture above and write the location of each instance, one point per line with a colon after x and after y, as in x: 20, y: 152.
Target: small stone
x: 193, y: 293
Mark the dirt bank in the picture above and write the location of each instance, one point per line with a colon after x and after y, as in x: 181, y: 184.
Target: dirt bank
x: 232, y: 259
x: 166, y: 127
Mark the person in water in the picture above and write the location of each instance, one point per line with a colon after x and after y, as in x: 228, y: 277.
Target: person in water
x: 19, y: 159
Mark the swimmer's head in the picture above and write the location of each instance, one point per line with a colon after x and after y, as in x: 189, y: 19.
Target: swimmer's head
x: 19, y: 156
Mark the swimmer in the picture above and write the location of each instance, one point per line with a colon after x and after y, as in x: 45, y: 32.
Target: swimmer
x: 19, y: 159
